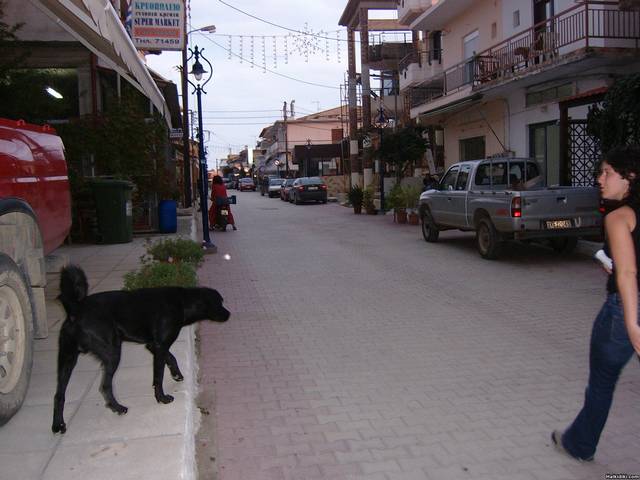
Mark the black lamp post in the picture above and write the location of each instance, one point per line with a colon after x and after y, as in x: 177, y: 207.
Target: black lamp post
x: 381, y: 123
x: 198, y: 72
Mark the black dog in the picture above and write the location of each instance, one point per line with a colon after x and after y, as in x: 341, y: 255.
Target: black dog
x: 99, y: 323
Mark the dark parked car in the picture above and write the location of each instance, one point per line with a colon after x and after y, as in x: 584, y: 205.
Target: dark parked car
x: 307, y: 189
x: 246, y: 183
x: 285, y: 188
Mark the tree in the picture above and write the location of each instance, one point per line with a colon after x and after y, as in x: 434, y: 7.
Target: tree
x: 10, y: 57
x: 617, y: 121
x: 402, y: 147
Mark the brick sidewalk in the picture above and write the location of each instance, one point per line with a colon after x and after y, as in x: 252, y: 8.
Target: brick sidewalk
x: 356, y: 350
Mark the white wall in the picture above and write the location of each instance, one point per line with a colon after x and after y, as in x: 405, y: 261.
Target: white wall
x: 521, y: 116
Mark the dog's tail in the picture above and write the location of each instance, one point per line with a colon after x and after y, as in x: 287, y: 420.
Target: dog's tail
x: 73, y: 289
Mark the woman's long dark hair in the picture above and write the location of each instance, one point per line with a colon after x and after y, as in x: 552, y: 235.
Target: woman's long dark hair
x: 626, y: 161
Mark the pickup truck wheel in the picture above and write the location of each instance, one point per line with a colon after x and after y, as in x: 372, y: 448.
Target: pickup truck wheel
x: 16, y: 338
x: 487, y: 239
x: 430, y: 230
x: 564, y: 245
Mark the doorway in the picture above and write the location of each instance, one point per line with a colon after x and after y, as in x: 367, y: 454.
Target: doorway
x: 544, y: 148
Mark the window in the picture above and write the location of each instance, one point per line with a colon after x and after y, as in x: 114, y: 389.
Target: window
x: 516, y: 18
x: 463, y: 176
x: 472, y: 148
x: 449, y: 180
x: 492, y: 173
x: 469, y: 49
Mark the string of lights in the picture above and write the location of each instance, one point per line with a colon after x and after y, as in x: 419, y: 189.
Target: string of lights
x: 268, y: 70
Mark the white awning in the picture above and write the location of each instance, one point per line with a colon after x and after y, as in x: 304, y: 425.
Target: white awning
x: 96, y: 25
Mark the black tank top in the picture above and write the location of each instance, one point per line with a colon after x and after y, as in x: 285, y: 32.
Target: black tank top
x: 612, y: 286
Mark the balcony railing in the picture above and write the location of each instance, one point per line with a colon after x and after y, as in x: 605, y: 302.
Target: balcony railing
x: 420, y: 57
x: 581, y: 26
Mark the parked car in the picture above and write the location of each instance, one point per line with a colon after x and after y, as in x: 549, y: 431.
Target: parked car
x: 307, y: 189
x: 285, y: 188
x: 228, y: 182
x: 246, y: 183
x: 273, y: 190
x: 504, y: 199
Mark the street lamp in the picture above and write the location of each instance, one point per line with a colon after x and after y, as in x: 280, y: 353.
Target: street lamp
x: 381, y: 122
x: 186, y: 144
x: 198, y: 73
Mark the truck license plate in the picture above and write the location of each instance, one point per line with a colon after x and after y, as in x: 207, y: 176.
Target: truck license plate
x: 313, y: 188
x: 558, y: 224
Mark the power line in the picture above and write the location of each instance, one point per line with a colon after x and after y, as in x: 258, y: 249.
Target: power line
x: 281, y: 26
x: 264, y: 68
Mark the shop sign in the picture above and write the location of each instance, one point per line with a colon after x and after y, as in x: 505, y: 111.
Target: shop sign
x: 157, y: 25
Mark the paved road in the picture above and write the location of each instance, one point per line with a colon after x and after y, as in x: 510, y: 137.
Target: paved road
x: 358, y: 351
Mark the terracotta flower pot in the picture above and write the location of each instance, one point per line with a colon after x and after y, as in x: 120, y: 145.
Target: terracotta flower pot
x: 400, y: 215
x: 413, y: 218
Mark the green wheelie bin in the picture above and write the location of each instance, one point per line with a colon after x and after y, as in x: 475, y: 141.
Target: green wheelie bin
x: 114, y: 210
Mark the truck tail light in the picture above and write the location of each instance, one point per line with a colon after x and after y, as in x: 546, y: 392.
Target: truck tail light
x: 516, y: 207
x: 301, y: 189
x: 323, y: 187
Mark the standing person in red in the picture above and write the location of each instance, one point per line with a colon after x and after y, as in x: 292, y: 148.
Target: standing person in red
x: 219, y: 197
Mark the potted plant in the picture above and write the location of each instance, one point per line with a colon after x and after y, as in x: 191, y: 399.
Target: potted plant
x: 412, y: 196
x: 355, y: 196
x: 396, y: 201
x: 367, y: 200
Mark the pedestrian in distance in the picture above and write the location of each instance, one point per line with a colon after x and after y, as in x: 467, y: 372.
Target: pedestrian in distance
x: 616, y: 333
x: 219, y: 197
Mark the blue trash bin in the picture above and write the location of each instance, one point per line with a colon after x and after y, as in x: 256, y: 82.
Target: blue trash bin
x: 168, y: 216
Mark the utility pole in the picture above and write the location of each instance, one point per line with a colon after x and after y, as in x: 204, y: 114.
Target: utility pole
x: 286, y: 144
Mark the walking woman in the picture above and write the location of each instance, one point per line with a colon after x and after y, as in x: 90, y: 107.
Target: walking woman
x: 616, y: 333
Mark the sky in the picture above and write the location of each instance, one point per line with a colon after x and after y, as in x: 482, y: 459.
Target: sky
x: 240, y: 99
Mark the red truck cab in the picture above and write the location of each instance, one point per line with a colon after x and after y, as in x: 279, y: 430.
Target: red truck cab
x: 35, y: 218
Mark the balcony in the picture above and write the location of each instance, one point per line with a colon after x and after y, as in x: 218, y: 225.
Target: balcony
x: 409, y: 10
x: 440, y: 13
x: 596, y: 30
x: 386, y: 49
x: 419, y: 66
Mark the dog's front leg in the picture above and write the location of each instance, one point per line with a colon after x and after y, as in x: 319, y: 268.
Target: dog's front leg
x: 172, y: 363
x: 159, y: 359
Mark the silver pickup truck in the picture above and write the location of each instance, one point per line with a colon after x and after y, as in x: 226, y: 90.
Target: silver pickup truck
x: 504, y: 199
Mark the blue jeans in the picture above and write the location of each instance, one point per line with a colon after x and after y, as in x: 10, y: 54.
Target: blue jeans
x: 609, y: 353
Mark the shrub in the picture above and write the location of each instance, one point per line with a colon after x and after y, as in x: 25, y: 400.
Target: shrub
x: 161, y: 274
x: 175, y: 250
x: 395, y: 198
x: 355, y: 195
x: 411, y: 196
x: 367, y: 198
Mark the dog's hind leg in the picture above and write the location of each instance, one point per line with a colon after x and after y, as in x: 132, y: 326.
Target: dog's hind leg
x: 160, y: 357
x: 67, y: 358
x: 110, y: 361
x: 172, y: 363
